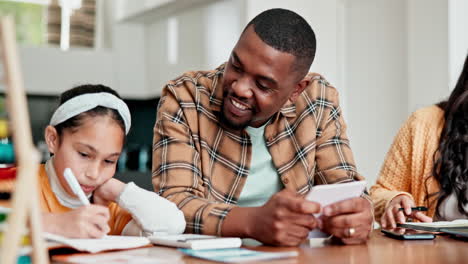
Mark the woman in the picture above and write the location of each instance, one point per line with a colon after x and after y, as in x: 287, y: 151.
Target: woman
x: 427, y: 164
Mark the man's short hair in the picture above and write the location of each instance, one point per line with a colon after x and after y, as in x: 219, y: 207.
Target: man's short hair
x: 286, y: 31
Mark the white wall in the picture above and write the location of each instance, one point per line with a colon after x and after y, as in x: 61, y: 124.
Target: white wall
x: 190, y: 48
x: 129, y: 8
x: 428, y: 79
x: 376, y: 78
x: 225, y: 21
x: 205, y: 39
x: 48, y: 70
x: 129, y: 60
x: 458, y: 38
x: 397, y: 61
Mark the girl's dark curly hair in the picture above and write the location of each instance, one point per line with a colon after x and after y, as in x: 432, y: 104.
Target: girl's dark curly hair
x: 451, y: 158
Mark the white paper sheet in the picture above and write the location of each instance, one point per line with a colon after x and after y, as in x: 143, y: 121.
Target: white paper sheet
x: 332, y: 193
x: 448, y: 224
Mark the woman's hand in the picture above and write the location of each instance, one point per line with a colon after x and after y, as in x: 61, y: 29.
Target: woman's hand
x: 88, y: 221
x: 393, y: 215
x: 108, y: 192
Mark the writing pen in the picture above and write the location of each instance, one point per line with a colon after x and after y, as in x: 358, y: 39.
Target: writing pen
x: 75, y: 186
x: 417, y: 208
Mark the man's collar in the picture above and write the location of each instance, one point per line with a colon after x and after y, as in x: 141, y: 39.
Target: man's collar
x: 216, y: 97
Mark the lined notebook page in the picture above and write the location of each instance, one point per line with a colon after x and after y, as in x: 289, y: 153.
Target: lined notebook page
x: 101, y: 244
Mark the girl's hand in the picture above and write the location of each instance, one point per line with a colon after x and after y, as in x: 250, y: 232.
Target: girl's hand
x: 393, y: 215
x: 108, y: 192
x: 88, y: 221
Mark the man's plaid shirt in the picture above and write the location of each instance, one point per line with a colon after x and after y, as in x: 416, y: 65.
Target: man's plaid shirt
x: 202, y: 165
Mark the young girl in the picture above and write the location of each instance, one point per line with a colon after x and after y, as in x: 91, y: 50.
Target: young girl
x: 86, y: 134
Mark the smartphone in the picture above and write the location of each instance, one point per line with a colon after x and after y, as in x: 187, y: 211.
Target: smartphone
x: 407, y: 234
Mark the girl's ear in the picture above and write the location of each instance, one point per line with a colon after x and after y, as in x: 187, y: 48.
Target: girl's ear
x: 52, y: 139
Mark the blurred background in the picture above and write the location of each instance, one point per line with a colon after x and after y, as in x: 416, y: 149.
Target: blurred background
x: 387, y: 58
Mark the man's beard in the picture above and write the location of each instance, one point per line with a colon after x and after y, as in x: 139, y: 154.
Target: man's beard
x: 231, y: 124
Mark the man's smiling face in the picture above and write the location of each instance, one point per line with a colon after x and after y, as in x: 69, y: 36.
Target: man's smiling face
x: 258, y: 80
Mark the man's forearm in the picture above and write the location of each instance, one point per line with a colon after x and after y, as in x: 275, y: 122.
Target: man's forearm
x: 238, y: 222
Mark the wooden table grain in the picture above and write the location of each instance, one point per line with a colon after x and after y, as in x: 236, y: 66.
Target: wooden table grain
x: 379, y: 249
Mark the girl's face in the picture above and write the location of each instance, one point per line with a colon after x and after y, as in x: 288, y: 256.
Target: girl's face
x: 91, y: 151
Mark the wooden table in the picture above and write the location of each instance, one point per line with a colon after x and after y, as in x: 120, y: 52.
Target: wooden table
x: 379, y: 249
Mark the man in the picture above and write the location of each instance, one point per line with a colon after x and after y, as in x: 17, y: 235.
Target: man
x: 238, y: 147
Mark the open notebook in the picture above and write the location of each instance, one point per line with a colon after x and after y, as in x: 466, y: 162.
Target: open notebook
x: 437, y: 226
x: 98, y: 245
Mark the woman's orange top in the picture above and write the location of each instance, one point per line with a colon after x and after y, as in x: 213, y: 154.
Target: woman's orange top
x: 408, y: 166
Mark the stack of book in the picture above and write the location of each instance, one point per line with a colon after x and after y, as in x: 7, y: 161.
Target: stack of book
x: 7, y: 183
x: 7, y: 157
